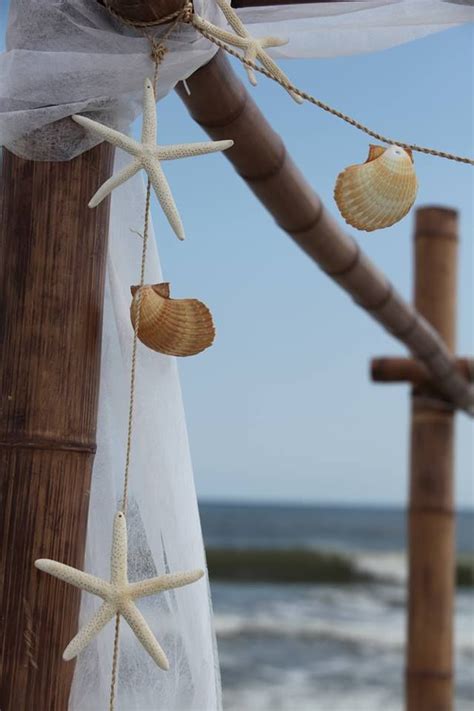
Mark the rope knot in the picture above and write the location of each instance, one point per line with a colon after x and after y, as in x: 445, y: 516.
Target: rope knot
x: 187, y: 12
x: 158, y: 51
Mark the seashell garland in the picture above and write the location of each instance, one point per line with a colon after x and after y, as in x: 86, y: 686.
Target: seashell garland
x: 379, y: 192
x: 180, y: 327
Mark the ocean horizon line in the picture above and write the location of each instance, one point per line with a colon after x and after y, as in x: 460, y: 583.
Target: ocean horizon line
x: 335, y: 505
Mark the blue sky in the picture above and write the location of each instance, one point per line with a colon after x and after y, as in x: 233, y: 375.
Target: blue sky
x: 281, y: 407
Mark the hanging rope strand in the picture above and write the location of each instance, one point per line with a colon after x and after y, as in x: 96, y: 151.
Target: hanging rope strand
x: 133, y: 369
x: 320, y: 104
x: 186, y: 16
x: 158, y: 52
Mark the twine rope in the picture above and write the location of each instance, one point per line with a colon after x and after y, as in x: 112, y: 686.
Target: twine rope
x: 186, y: 15
x: 133, y: 375
x: 321, y: 104
x: 158, y: 51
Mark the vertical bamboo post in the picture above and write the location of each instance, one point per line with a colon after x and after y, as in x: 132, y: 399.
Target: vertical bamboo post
x: 52, y: 268
x: 429, y: 685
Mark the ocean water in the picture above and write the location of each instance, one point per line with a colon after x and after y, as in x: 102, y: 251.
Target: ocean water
x: 303, y: 647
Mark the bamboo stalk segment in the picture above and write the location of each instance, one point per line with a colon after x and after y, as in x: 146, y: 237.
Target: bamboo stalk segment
x: 408, y: 370
x: 429, y: 683
x: 52, y: 269
x: 143, y: 10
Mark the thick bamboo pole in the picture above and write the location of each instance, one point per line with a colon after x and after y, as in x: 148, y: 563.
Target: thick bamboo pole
x: 429, y: 685
x: 219, y: 102
x: 52, y: 267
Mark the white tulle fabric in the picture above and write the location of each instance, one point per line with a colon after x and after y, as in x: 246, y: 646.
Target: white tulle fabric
x: 70, y: 56
x: 163, y: 522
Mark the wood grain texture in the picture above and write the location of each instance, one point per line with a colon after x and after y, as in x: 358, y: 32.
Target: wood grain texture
x: 429, y: 680
x: 52, y: 270
x: 222, y: 106
x: 143, y: 10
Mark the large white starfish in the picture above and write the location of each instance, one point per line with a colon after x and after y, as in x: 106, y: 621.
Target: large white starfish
x: 118, y: 594
x: 148, y: 155
x: 254, y: 47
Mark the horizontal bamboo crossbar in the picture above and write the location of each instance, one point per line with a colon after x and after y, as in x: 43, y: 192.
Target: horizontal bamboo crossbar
x: 407, y: 370
x: 219, y: 103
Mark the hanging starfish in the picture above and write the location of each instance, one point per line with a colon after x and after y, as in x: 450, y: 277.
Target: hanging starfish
x: 148, y: 155
x: 254, y: 47
x: 118, y: 594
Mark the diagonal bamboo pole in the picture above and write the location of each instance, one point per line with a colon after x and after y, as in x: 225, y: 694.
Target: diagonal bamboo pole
x: 220, y: 104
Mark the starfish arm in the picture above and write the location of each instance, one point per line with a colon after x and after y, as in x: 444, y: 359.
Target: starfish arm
x: 119, y: 554
x: 188, y: 150
x: 221, y: 34
x: 251, y: 56
x: 274, y: 69
x: 85, y: 635
x: 164, y: 195
x: 163, y: 582
x: 128, y: 172
x: 75, y: 577
x: 273, y: 42
x: 149, y: 114
x: 109, y: 134
x: 233, y: 19
x: 144, y: 634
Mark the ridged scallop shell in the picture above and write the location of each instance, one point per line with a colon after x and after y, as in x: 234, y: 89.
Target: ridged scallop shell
x: 379, y: 192
x: 180, y: 327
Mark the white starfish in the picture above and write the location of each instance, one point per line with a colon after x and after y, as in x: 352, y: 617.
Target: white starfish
x: 118, y: 594
x: 148, y: 155
x: 254, y: 47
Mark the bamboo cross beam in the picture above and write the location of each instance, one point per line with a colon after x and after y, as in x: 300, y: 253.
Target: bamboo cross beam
x: 407, y: 370
x: 219, y: 103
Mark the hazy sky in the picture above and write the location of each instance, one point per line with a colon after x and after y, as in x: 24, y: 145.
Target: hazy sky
x: 282, y: 407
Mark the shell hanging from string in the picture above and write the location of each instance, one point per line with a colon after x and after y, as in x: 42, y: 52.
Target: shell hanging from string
x: 180, y: 327
x: 379, y: 192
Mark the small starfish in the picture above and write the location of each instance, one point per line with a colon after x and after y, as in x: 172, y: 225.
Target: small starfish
x: 148, y: 155
x: 118, y: 594
x: 254, y: 47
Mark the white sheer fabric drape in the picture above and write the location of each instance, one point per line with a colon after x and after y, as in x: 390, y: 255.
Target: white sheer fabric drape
x: 163, y: 521
x: 70, y: 56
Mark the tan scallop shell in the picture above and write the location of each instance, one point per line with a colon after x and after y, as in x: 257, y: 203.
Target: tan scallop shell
x: 379, y: 192
x: 180, y: 327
